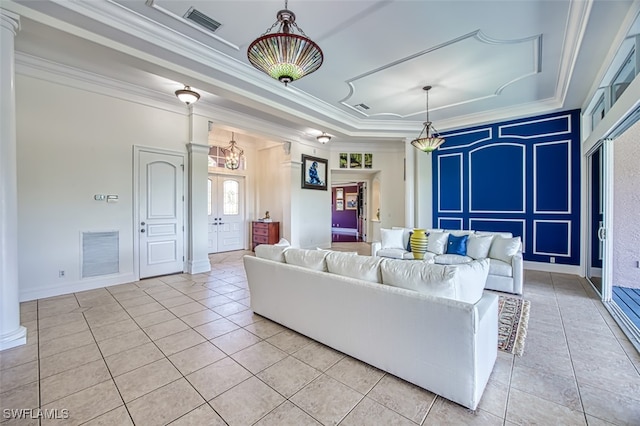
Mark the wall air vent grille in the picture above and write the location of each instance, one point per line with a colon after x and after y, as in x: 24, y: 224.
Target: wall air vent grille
x: 100, y: 253
x: 202, y: 19
x: 362, y: 107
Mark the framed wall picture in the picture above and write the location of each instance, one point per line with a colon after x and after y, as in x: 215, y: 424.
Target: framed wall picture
x: 339, y: 205
x: 352, y: 201
x: 368, y: 161
x: 339, y: 193
x: 344, y: 160
x: 355, y: 161
x: 314, y: 173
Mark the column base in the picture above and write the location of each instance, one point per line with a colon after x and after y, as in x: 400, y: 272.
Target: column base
x: 198, y: 266
x: 13, y: 339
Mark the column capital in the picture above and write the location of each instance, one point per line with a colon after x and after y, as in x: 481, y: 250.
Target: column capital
x: 197, y: 148
x: 10, y: 21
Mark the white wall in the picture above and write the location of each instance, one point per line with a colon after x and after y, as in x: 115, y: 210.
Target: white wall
x: 388, y: 167
x: 73, y: 144
x: 272, y: 192
x: 310, y: 208
x: 626, y: 205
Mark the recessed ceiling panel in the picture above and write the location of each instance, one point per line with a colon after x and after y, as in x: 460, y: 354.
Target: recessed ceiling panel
x: 468, y: 69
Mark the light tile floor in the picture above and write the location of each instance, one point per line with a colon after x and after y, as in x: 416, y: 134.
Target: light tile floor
x: 186, y: 350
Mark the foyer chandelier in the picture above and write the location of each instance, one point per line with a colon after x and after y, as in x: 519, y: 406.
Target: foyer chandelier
x: 284, y: 55
x: 232, y: 154
x: 429, y: 142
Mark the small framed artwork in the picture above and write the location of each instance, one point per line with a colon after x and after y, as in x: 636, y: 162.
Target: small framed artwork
x: 355, y: 161
x: 339, y: 193
x: 368, y: 161
x: 344, y: 160
x: 339, y: 205
x: 314, y: 173
x: 352, y: 201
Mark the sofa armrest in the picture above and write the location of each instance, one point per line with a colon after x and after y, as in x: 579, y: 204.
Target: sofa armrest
x: 517, y: 266
x: 375, y: 246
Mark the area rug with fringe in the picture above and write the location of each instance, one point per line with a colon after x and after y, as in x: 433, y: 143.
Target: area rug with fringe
x: 513, y: 317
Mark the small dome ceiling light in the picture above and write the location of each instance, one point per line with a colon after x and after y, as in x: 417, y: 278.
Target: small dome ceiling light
x: 323, y: 138
x: 187, y: 95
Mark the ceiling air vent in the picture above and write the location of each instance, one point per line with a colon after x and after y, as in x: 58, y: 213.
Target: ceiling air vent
x: 363, y: 107
x: 202, y: 19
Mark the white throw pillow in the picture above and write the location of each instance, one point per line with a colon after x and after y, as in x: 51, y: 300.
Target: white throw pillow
x: 437, y: 242
x: 283, y: 242
x: 478, y: 246
x: 271, y: 252
x: 311, y: 259
x: 504, y: 248
x: 365, y: 268
x: 392, y: 238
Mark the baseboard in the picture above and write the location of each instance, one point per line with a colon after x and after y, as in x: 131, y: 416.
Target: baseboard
x: 553, y: 267
x: 198, y: 266
x: 74, y: 287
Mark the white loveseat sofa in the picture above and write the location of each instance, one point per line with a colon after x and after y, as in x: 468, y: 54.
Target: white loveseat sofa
x: 504, y: 252
x: 440, y: 332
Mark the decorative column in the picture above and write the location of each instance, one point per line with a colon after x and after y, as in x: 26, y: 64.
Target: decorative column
x: 198, y: 256
x: 409, y: 184
x: 11, y: 332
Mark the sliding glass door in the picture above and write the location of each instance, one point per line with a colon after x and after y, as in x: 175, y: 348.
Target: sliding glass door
x: 600, y: 169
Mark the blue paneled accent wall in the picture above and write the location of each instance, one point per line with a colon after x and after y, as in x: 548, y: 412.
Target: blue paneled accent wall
x: 520, y: 176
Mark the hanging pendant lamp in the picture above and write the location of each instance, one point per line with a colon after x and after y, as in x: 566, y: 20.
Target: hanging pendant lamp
x: 284, y: 55
x: 232, y: 154
x: 429, y: 142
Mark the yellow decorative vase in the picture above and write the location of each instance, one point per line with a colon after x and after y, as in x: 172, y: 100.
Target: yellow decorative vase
x: 418, y: 242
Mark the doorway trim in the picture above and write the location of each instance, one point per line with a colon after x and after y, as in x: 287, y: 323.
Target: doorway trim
x: 137, y: 149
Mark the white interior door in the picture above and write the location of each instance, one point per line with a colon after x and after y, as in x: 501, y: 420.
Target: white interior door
x: 226, y: 213
x: 161, y: 217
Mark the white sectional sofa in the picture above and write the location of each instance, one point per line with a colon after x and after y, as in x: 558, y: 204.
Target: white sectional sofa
x: 501, y: 248
x: 439, y: 332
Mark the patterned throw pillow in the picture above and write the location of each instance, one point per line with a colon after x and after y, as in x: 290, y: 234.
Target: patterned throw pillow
x: 409, y: 241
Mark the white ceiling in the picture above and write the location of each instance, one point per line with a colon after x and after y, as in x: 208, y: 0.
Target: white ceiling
x: 486, y: 60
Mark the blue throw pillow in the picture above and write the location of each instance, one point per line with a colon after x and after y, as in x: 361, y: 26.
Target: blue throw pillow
x: 409, y: 241
x: 457, y: 245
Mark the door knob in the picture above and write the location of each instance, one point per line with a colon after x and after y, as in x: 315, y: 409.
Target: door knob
x: 142, y: 223
x: 142, y: 230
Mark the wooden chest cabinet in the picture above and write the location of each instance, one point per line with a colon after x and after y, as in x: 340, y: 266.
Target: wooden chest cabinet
x: 264, y: 233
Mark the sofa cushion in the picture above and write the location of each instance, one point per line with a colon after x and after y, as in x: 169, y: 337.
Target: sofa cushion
x: 478, y: 246
x: 395, y: 253
x: 451, y: 259
x: 464, y: 283
x: 460, y: 232
x: 472, y: 277
x: 436, y: 280
x: 504, y: 248
x: 312, y: 259
x: 271, y: 252
x: 437, y: 242
x: 457, y: 244
x: 500, y: 268
x: 365, y: 268
x: 392, y: 238
x: 502, y: 234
